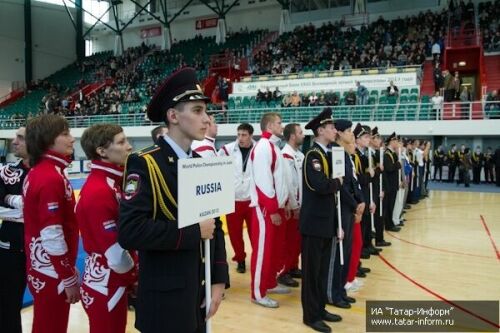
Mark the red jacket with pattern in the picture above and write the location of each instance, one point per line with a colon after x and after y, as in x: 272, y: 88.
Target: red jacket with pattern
x: 108, y: 265
x: 50, y: 227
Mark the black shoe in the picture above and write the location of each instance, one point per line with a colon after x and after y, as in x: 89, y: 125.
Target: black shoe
x: 349, y: 299
x: 364, y: 269
x: 373, y: 251
x: 360, y: 274
x: 287, y: 280
x: 393, y: 229
x: 365, y: 255
x: 401, y: 224
x: 331, y: 317
x: 383, y: 243
x: 341, y: 304
x: 319, y: 326
x: 241, y: 267
x: 403, y: 220
x: 407, y: 206
x: 296, y: 273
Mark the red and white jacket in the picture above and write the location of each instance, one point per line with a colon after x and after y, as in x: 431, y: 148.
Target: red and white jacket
x: 205, y: 148
x: 269, y: 186
x: 294, y: 160
x: 50, y: 227
x: 108, y: 265
x: 242, y: 179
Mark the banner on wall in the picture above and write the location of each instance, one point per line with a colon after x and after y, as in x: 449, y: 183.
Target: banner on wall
x: 206, y: 23
x: 150, y: 32
x: 336, y: 83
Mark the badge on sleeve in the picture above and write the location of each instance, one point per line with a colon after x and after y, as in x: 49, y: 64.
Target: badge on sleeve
x: 131, y: 186
x: 317, y: 165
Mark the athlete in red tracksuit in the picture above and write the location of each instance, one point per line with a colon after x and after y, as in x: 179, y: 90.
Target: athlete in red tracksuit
x: 206, y: 147
x: 109, y: 269
x: 51, y: 241
x: 269, y: 194
x: 240, y: 150
x: 294, y: 158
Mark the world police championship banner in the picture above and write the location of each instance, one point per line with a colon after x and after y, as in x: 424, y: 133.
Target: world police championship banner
x: 338, y: 162
x: 206, y: 189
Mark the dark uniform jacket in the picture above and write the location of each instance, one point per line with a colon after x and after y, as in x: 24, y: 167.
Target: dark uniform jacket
x: 12, y: 178
x: 364, y: 179
x: 376, y: 178
x: 453, y: 159
x: 477, y: 159
x: 350, y: 194
x: 391, y: 174
x: 171, y: 260
x: 438, y: 158
x: 318, y: 215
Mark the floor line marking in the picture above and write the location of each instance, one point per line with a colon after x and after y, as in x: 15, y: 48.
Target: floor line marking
x: 495, y: 248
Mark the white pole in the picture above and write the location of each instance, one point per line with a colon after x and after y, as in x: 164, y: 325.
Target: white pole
x: 341, y: 249
x: 370, y: 166
x: 208, y: 285
x: 380, y: 179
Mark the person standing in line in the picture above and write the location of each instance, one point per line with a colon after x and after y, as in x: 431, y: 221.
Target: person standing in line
x: 206, y: 147
x: 110, y: 271
x: 240, y: 149
x: 51, y: 229
x: 12, y: 257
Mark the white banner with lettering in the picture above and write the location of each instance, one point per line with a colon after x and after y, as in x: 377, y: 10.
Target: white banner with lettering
x: 206, y: 189
x: 335, y: 83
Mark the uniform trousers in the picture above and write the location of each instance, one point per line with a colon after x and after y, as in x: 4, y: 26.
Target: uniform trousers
x: 107, y: 313
x: 291, y: 246
x: 357, y: 244
x: 12, y: 286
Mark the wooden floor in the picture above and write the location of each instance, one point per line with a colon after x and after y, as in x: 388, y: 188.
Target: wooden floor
x: 444, y: 248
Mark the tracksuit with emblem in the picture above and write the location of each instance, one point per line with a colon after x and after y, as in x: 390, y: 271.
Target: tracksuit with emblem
x: 242, y: 210
x: 110, y: 271
x: 12, y: 257
x: 269, y: 194
x: 51, y: 241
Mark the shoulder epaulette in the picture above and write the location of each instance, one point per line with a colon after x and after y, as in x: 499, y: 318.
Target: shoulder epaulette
x: 147, y: 150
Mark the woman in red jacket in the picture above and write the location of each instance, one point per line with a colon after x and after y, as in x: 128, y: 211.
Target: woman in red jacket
x: 109, y: 269
x: 50, y: 228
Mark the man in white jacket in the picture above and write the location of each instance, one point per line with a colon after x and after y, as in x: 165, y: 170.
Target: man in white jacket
x: 206, y: 147
x: 269, y: 195
x: 240, y: 150
x: 294, y: 136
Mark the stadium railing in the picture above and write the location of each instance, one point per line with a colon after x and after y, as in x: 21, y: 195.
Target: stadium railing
x: 379, y: 112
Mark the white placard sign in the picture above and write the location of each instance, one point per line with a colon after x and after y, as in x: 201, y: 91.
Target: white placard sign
x: 74, y: 167
x: 338, y: 162
x: 205, y: 189
x: 337, y: 83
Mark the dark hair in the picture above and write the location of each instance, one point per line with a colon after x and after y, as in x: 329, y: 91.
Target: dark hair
x: 99, y: 135
x: 267, y: 118
x: 156, y: 131
x: 245, y: 127
x: 41, y: 132
x: 289, y: 130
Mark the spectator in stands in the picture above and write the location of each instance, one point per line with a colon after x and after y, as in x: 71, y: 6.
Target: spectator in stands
x: 456, y: 83
x: 287, y: 101
x: 438, y: 77
x: 392, y: 90
x: 362, y: 94
x: 492, y: 106
x: 277, y: 95
x: 268, y: 95
x: 437, y: 105
x: 223, y: 91
x: 448, y: 86
x: 313, y: 99
x: 295, y: 100
x: 350, y: 97
x: 321, y: 100
x: 332, y: 99
x: 436, y: 49
x: 261, y: 97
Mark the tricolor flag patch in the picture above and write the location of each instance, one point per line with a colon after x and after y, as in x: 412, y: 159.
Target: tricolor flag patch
x: 109, y: 225
x: 53, y: 206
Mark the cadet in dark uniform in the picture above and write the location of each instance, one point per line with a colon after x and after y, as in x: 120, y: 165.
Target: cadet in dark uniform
x: 171, y: 260
x: 362, y: 135
x: 438, y: 162
x: 376, y: 142
x: 390, y: 181
x: 351, y: 199
x: 477, y: 165
x: 318, y: 222
x: 489, y: 165
x: 12, y: 257
x: 453, y: 162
